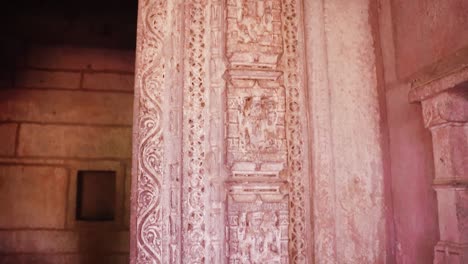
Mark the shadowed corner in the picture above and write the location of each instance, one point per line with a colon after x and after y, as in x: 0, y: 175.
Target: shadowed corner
x: 11, y: 55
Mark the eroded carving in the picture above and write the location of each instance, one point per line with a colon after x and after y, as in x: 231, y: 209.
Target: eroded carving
x: 253, y: 25
x: 195, y: 137
x: 256, y: 128
x: 295, y: 121
x: 264, y: 115
x: 258, y: 223
x: 265, y: 157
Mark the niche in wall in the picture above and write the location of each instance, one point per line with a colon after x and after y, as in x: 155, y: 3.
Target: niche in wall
x: 95, y: 195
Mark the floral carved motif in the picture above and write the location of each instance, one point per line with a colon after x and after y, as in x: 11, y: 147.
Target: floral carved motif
x: 226, y: 80
x: 149, y: 151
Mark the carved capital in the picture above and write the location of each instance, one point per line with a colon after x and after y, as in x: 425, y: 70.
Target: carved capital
x: 450, y: 106
x: 443, y: 91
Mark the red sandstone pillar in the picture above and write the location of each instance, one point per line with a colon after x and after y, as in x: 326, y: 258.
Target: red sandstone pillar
x: 443, y: 93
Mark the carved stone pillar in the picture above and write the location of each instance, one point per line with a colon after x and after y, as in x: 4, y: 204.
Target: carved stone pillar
x: 443, y: 92
x: 220, y: 165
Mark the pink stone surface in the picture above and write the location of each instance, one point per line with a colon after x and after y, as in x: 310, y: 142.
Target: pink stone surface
x: 233, y: 78
x: 426, y: 31
x: 445, y: 102
x: 414, y: 200
x: 236, y: 135
x: 255, y: 152
x: 357, y: 147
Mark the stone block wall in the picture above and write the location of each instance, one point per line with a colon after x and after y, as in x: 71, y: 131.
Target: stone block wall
x: 64, y: 110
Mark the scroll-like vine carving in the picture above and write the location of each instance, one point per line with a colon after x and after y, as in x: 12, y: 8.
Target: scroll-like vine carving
x: 149, y: 171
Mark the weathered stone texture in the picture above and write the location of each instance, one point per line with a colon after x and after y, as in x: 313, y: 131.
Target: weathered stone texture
x: 8, y: 139
x: 357, y: 135
x: 450, y: 152
x: 74, y: 141
x: 66, y: 107
x: 58, y: 241
x: 47, y: 79
x: 426, y: 31
x: 108, y: 81
x: 80, y: 59
x: 32, y: 197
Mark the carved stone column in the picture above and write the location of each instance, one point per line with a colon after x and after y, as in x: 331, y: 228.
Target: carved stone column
x: 220, y: 165
x: 443, y: 92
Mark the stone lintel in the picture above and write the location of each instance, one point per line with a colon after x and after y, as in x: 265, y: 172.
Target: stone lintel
x: 448, y: 107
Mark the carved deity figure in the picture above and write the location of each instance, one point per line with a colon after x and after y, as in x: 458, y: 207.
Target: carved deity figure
x: 257, y: 123
x: 259, y: 238
x: 254, y: 19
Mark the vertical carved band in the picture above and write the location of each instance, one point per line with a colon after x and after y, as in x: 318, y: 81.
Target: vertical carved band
x: 298, y: 176
x: 194, y: 139
x: 149, y: 163
x: 215, y: 210
x: 265, y: 133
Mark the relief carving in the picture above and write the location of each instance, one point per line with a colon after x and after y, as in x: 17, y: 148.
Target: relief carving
x: 265, y: 128
x: 257, y: 123
x: 254, y: 22
x: 195, y: 136
x: 149, y: 167
x: 190, y: 206
x: 296, y: 127
x: 254, y: 25
x: 256, y: 128
x: 258, y: 223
